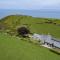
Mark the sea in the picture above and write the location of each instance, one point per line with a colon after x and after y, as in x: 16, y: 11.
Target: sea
x: 33, y: 13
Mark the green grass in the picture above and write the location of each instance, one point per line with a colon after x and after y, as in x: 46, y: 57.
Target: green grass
x: 45, y: 29
x: 13, y: 21
x: 12, y: 48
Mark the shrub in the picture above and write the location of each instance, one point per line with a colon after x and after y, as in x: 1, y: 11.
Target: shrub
x: 23, y: 31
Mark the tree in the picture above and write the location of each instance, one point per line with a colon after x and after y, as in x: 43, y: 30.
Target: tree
x: 23, y: 31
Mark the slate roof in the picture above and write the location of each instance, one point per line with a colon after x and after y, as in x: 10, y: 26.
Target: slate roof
x: 48, y: 39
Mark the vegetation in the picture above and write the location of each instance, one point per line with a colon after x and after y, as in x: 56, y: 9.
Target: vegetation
x: 36, y: 25
x: 13, y: 48
x: 23, y: 31
x: 19, y: 48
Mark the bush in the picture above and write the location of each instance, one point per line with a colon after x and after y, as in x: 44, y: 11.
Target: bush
x: 23, y: 31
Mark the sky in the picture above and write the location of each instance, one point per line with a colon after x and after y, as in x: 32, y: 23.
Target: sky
x: 30, y: 4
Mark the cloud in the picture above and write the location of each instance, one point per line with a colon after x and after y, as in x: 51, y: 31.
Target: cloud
x: 30, y: 4
x: 7, y: 4
x: 46, y: 4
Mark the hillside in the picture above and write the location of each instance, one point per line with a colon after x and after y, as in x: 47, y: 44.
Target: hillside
x: 12, y: 48
x: 36, y: 25
x: 18, y: 48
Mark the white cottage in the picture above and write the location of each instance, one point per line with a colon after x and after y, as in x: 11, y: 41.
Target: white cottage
x: 47, y: 39
x: 56, y: 43
x: 36, y: 36
x: 43, y: 38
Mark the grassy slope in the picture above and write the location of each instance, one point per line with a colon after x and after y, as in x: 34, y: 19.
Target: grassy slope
x: 14, y: 21
x: 12, y: 48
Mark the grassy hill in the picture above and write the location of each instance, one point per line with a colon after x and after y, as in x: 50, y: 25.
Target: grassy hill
x: 36, y: 25
x: 12, y: 48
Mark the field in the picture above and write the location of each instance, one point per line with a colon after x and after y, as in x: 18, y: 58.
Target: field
x: 12, y: 48
x: 36, y: 25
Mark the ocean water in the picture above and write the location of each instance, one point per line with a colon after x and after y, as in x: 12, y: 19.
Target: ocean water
x: 34, y: 13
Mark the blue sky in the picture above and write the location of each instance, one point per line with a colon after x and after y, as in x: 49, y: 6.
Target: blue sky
x: 30, y: 4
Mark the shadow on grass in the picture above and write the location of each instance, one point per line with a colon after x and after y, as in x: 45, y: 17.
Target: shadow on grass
x: 54, y: 51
